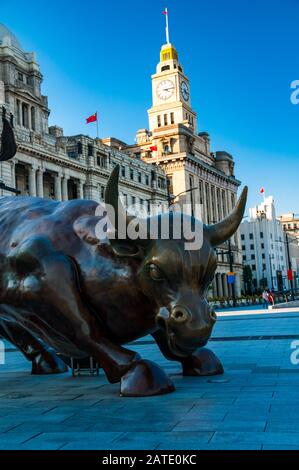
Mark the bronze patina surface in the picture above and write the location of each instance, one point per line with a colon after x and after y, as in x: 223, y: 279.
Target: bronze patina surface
x: 64, y: 291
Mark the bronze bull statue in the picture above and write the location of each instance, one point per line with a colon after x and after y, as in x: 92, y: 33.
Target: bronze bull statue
x: 63, y: 291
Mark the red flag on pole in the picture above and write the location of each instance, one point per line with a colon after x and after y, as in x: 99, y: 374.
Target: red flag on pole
x: 262, y: 191
x: 92, y: 118
x: 165, y: 12
x: 154, y: 148
x: 290, y: 274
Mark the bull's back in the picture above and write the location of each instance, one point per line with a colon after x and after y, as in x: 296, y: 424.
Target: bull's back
x: 22, y: 217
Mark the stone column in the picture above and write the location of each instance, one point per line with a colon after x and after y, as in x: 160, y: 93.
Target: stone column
x: 219, y: 285
x: 64, y: 188
x: 40, y: 182
x: 214, y: 287
x: 58, y: 193
x: 238, y: 285
x: 13, y: 174
x: 80, y: 189
x: 225, y: 285
x: 32, y: 181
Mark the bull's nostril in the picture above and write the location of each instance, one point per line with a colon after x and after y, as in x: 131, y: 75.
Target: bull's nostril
x: 180, y: 315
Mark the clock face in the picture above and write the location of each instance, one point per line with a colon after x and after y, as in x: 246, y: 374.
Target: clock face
x: 165, y: 89
x: 185, y: 91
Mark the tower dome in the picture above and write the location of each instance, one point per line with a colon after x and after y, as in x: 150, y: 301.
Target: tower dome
x: 5, y: 33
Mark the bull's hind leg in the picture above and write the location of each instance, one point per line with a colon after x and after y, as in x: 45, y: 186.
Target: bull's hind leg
x: 203, y: 362
x: 43, y: 358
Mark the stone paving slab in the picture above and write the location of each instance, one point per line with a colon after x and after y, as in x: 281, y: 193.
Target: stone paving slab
x: 257, y: 407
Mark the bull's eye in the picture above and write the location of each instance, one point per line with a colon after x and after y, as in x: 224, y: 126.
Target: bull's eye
x: 156, y: 273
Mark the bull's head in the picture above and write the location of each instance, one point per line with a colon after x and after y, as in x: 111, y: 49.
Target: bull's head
x: 174, y: 279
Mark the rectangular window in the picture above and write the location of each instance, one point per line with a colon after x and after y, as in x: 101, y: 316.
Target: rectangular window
x: 131, y: 173
x: 123, y: 171
x: 90, y: 150
x: 253, y: 257
x: 252, y: 247
x: 165, y: 120
x: 262, y: 234
x: 139, y: 177
x: 243, y: 247
x: 172, y: 118
x: 253, y: 267
x: 200, y: 192
x: 147, y: 180
x: 262, y: 246
x: 101, y: 160
x: 242, y: 237
x: 161, y: 183
x: 159, y: 121
x: 20, y: 77
x: 244, y: 257
x: 251, y: 236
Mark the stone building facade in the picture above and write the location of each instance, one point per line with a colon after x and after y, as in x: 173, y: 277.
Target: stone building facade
x: 264, y: 247
x: 51, y: 165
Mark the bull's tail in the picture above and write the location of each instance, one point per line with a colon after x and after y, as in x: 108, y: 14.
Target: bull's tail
x: 8, y: 142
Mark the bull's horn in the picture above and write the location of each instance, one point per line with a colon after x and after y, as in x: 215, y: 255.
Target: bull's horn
x: 112, y: 197
x: 224, y: 230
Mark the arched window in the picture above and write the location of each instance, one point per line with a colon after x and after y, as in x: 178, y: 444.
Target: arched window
x: 25, y: 115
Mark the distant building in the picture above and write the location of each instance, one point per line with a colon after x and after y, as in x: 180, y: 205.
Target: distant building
x: 290, y: 223
x: 51, y: 165
x: 264, y: 247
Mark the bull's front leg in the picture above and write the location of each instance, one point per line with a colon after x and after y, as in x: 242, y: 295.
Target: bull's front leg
x: 202, y: 362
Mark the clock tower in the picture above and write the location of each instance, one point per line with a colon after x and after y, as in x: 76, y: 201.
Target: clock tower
x: 171, y: 93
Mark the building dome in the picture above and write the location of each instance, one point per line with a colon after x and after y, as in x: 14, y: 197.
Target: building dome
x: 4, y: 33
x: 223, y: 157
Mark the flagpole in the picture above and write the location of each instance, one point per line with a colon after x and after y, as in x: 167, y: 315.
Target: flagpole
x: 167, y: 26
x: 97, y: 125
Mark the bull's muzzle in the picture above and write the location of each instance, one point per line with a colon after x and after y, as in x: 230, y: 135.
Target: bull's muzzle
x: 183, y: 333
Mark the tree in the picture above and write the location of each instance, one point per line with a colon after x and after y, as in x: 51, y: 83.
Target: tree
x: 248, y: 278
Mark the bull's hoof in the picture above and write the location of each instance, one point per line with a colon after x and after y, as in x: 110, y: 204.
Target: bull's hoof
x: 145, y: 379
x: 51, y: 364
x: 203, y: 362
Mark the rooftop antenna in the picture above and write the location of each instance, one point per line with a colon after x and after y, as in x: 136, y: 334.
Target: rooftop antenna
x: 165, y: 12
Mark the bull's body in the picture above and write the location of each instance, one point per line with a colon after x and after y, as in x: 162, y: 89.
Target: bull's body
x: 106, y: 283
x: 60, y: 286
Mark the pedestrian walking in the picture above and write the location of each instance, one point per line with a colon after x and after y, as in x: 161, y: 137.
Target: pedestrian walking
x: 271, y: 297
x: 265, y: 296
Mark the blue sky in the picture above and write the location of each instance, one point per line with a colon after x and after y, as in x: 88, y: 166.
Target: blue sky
x: 240, y: 56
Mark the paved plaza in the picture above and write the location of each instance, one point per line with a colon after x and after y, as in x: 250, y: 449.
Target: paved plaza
x: 255, y: 405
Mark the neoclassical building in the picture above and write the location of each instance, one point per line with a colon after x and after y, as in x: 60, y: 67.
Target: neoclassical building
x: 173, y: 142
x: 51, y: 165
